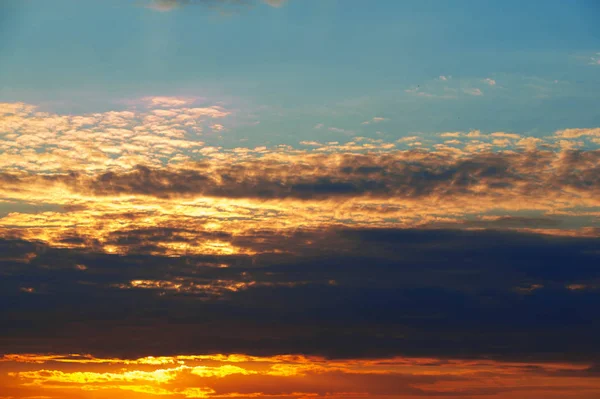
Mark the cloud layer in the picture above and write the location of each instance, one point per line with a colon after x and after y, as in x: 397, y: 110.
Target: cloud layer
x: 168, y: 5
x: 132, y: 233
x: 425, y: 293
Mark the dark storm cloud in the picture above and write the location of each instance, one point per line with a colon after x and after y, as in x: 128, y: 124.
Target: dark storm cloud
x: 370, y: 293
x: 387, y: 177
x: 540, y: 173
x: 410, y: 175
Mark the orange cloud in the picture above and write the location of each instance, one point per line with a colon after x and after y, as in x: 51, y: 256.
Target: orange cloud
x: 213, y: 376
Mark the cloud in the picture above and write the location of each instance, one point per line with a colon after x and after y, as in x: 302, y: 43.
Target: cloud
x: 479, y: 245
x: 458, y: 291
x: 162, y: 101
x: 473, y: 91
x: 339, y: 130
x: 146, y: 174
x: 376, y: 119
x: 169, y: 5
x: 46, y: 142
x: 447, y: 87
x: 298, y: 376
x: 397, y: 174
x: 576, y: 133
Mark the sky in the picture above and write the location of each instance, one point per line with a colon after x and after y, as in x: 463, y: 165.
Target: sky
x: 299, y: 199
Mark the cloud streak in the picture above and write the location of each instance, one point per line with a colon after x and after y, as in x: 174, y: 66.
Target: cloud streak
x: 299, y: 377
x: 169, y: 5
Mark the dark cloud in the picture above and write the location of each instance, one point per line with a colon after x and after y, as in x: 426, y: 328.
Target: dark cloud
x: 537, y: 178
x: 371, y: 292
x: 398, y: 175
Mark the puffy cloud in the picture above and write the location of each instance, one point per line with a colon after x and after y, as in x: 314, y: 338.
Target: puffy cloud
x: 575, y: 133
x: 44, y: 142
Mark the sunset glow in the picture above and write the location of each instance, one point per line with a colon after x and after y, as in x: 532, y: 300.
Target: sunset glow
x: 299, y: 199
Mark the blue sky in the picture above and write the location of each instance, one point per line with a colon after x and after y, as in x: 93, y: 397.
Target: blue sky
x: 422, y: 65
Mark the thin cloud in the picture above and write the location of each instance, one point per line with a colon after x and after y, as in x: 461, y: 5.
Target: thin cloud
x: 169, y: 5
x: 473, y: 91
x: 376, y: 119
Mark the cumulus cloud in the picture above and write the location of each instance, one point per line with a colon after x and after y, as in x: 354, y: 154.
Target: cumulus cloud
x: 575, y: 133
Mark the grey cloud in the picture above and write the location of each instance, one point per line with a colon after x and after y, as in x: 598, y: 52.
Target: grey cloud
x: 388, y: 175
x: 368, y: 293
x: 410, y: 175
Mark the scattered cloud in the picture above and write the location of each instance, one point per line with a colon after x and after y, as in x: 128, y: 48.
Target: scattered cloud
x: 376, y: 119
x: 575, y: 133
x: 473, y: 92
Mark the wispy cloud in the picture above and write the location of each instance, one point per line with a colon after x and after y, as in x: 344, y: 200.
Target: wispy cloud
x: 219, y: 376
x: 473, y: 91
x: 447, y: 87
x: 169, y: 5
x: 376, y: 119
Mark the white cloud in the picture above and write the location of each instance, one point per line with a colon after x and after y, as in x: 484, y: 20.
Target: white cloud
x: 376, y: 119
x: 473, y: 92
x: 338, y: 130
